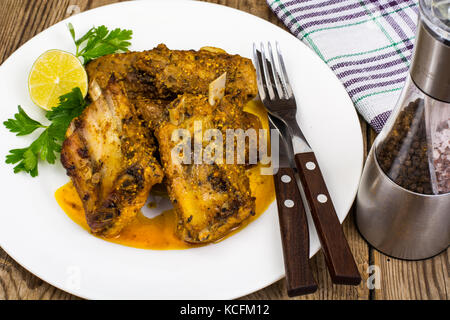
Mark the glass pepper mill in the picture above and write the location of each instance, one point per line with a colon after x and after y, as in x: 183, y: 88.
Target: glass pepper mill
x: 403, y: 202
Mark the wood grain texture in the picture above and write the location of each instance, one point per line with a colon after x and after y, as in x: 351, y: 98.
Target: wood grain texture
x: 411, y: 280
x: 339, y: 259
x: 20, y: 20
x: 294, y: 234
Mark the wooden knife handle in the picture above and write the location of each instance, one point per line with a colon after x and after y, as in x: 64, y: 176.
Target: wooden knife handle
x: 339, y: 258
x: 294, y: 234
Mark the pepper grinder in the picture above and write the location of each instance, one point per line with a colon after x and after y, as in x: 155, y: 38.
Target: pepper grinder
x: 403, y: 201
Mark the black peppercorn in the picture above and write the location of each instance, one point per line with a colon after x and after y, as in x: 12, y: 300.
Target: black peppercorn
x: 403, y: 154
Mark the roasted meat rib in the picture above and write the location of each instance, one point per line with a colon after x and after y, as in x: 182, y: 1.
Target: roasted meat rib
x: 160, y: 73
x: 192, y: 71
x: 210, y: 199
x: 156, y: 77
x: 109, y: 150
x: 109, y: 156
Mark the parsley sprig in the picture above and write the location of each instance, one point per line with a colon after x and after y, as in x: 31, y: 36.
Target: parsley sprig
x: 99, y: 41
x: 48, y: 144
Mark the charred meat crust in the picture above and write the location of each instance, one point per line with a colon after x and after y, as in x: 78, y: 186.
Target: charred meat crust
x: 210, y: 199
x: 156, y: 77
x: 109, y: 156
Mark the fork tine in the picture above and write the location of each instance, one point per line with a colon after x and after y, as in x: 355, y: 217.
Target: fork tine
x: 276, y: 77
x: 259, y: 72
x: 284, y: 76
x: 272, y: 73
x: 267, y: 76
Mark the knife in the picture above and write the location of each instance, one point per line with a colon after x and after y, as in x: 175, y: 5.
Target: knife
x: 293, y: 221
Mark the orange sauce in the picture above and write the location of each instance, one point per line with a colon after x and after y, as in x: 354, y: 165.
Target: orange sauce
x: 158, y: 233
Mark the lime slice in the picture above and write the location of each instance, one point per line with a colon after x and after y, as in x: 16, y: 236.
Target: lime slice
x: 54, y: 74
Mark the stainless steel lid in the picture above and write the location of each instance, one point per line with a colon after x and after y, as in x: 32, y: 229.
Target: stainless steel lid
x: 430, y: 69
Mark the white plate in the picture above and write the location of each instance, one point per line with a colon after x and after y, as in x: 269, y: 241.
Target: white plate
x: 39, y: 236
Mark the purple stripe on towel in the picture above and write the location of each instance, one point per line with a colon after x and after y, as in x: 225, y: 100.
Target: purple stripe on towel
x: 369, y: 86
x: 314, y: 4
x: 394, y: 25
x: 323, y: 12
x: 332, y: 20
x: 347, y: 17
x: 371, y: 68
x: 391, y: 73
x: 370, y: 59
x: 378, y: 122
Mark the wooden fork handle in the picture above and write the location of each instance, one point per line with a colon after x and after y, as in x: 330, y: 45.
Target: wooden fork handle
x: 339, y: 258
x: 294, y: 234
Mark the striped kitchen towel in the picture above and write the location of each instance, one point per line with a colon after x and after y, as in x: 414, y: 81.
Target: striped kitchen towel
x: 367, y: 43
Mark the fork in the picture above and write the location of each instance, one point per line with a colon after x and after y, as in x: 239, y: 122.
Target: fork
x: 278, y: 98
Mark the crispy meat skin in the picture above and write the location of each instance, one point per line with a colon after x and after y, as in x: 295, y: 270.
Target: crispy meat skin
x: 192, y: 71
x: 109, y: 157
x: 156, y: 77
x: 210, y: 199
x: 162, y: 72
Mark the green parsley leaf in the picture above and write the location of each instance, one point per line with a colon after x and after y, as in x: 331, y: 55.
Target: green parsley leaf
x: 27, y: 160
x: 70, y: 106
x: 22, y: 124
x: 99, y: 41
x: 72, y: 31
x: 48, y: 144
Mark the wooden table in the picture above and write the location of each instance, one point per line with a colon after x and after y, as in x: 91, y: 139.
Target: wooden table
x: 20, y: 20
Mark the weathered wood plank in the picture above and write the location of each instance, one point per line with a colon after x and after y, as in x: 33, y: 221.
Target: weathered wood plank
x: 413, y: 280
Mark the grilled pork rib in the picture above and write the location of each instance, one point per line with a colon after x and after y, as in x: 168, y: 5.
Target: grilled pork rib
x: 161, y: 72
x: 156, y: 77
x: 209, y: 199
x: 110, y: 151
x: 110, y: 158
